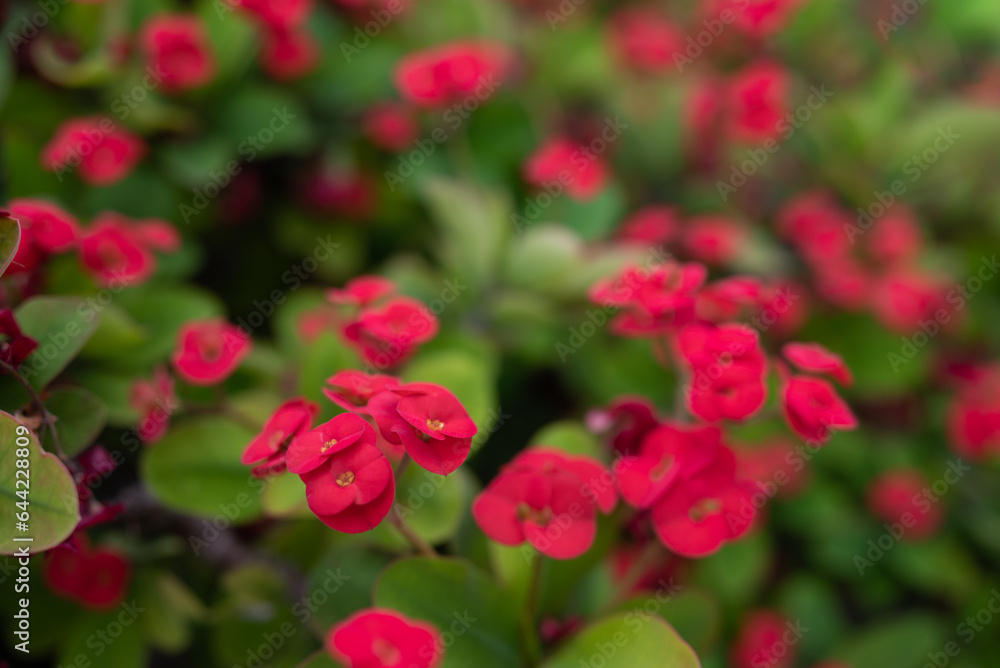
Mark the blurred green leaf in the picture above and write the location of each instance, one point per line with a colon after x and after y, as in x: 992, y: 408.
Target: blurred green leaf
x: 10, y: 239
x: 61, y: 325
x: 626, y: 641
x: 80, y: 417
x: 458, y: 599
x: 196, y: 469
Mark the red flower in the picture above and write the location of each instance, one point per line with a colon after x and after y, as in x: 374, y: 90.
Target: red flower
x: 767, y: 465
x: 766, y: 638
x: 652, y: 224
x: 267, y: 451
x: 95, y: 578
x: 628, y: 420
x: 362, y: 291
x: 899, y: 497
x: 352, y: 390
x: 667, y: 455
x: 844, y: 282
x: 350, y: 488
x: 208, y: 351
x: 278, y: 14
x: 176, y: 47
x: 157, y: 234
x: 105, y: 152
x: 598, y: 483
x: 383, y: 638
x: 713, y: 239
x: 696, y: 516
x: 387, y: 335
x: 154, y: 400
x: 728, y: 370
x: 113, y: 250
x: 758, y: 98
x: 755, y: 18
x: 452, y: 73
x: 645, y: 40
x: 45, y: 229
x: 543, y: 500
x: 896, y: 237
x: 562, y: 161
x: 813, y: 408
x: 654, y: 300
x: 391, y: 126
x: 817, y: 225
x: 17, y: 346
x: 429, y: 421
x: 311, y: 449
x: 903, y: 299
x: 812, y: 357
x: 289, y: 54
x: 974, y: 415
x: 341, y: 192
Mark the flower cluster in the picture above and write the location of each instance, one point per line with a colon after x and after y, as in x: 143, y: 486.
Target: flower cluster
x: 345, y: 463
x: 96, y: 578
x: 549, y: 499
x: 385, y: 328
x: 689, y: 480
x: 866, y: 262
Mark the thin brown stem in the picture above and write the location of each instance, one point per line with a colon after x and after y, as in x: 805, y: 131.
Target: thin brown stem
x: 47, y: 418
x: 396, y: 517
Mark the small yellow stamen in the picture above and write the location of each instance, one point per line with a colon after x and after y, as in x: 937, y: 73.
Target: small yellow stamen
x: 345, y: 479
x: 329, y: 444
x: 436, y: 425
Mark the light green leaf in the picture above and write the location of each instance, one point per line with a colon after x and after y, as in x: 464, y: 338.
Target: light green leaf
x: 61, y: 325
x: 10, y: 238
x: 626, y: 641
x: 80, y: 418
x: 52, y: 506
x: 458, y: 598
x: 196, y: 469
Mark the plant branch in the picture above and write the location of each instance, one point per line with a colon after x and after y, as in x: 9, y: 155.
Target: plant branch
x: 47, y: 418
x: 396, y: 517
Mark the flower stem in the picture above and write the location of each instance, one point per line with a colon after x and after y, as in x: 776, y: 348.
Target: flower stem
x: 396, y: 517
x: 529, y: 622
x: 47, y: 418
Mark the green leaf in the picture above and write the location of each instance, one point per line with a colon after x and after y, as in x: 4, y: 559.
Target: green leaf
x: 170, y: 607
x: 474, y: 223
x: 162, y: 312
x: 468, y: 375
x: 694, y: 613
x: 10, y: 238
x: 340, y: 584
x: 901, y: 643
x: 196, y: 469
x: 626, y: 641
x: 80, y: 418
x: 458, y: 599
x: 433, y: 504
x: 322, y: 358
x: 91, y: 637
x: 116, y: 332
x: 52, y: 501
x: 569, y: 436
x: 285, y: 496
x: 61, y: 329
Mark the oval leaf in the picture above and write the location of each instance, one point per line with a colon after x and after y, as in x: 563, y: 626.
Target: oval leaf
x: 625, y: 641
x: 196, y: 469
x: 51, y: 501
x: 459, y: 599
